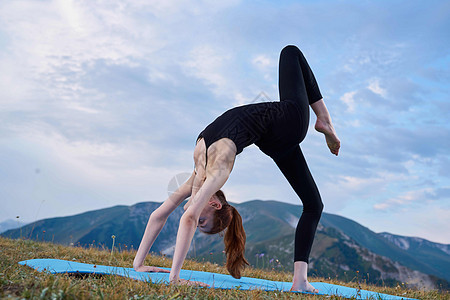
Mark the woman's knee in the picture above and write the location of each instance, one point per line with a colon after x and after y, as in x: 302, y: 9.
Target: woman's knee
x: 315, y: 207
x: 320, y: 207
x: 291, y: 49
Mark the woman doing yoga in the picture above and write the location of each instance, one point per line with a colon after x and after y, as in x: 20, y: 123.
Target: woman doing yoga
x: 276, y: 128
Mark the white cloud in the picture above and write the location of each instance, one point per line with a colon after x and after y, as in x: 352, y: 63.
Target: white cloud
x: 53, y: 46
x: 374, y: 86
x: 72, y: 14
x: 89, y: 158
x: 81, y: 108
x: 96, y: 92
x: 240, y: 99
x: 348, y: 99
x: 208, y: 63
x: 404, y: 200
x: 81, y: 174
x: 358, y: 185
x: 262, y: 62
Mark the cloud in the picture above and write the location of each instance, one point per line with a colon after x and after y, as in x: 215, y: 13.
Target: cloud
x: 262, y: 61
x: 76, y: 175
x: 440, y: 194
x: 348, y: 99
x: 401, y: 143
x: 405, y: 199
x: 374, y: 86
x: 207, y: 63
x: 444, y: 166
x: 109, y: 97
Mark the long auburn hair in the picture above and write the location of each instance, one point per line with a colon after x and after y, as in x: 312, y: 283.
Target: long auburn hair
x: 234, y: 239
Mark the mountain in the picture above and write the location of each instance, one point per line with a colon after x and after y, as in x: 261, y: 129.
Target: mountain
x: 10, y: 224
x: 436, y: 255
x: 436, y: 262
x: 342, y: 247
x: 96, y: 227
x: 418, y: 246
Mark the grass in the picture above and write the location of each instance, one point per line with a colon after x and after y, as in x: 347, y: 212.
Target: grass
x: 18, y: 282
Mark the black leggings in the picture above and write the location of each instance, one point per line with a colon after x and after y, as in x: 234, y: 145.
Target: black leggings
x: 297, y: 82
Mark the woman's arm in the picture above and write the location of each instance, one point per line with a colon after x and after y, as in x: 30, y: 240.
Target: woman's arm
x: 156, y: 222
x: 215, y: 176
x: 189, y: 221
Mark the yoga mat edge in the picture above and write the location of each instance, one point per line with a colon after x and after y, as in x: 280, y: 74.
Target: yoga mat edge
x: 214, y: 280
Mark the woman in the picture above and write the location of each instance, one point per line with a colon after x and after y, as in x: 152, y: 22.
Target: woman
x: 276, y: 128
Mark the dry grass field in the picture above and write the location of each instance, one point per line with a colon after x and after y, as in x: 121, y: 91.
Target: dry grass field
x: 18, y: 282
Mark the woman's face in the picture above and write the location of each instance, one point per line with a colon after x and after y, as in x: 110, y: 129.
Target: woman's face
x: 206, y: 219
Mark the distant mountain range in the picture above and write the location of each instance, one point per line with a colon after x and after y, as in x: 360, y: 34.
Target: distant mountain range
x: 342, y: 247
x: 10, y: 224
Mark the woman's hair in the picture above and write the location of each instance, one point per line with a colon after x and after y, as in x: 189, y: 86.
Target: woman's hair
x: 234, y: 239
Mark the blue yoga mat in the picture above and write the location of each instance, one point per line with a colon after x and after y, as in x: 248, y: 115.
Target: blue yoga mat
x: 214, y: 280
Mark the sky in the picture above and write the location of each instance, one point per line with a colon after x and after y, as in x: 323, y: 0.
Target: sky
x: 101, y: 103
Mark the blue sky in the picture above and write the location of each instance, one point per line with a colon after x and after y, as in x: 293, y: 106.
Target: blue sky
x: 101, y: 103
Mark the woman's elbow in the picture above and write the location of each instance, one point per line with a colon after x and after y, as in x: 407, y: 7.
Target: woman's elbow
x: 189, y: 219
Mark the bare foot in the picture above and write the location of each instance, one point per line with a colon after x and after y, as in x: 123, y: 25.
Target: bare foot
x: 189, y: 282
x: 150, y: 269
x: 303, y: 286
x: 331, y: 138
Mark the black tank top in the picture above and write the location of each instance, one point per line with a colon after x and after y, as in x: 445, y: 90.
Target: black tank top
x: 272, y: 126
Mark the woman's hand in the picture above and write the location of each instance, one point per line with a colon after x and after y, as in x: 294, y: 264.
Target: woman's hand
x: 150, y: 269
x: 188, y: 282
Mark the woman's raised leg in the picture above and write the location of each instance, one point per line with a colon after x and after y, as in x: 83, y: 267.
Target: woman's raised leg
x: 297, y: 82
